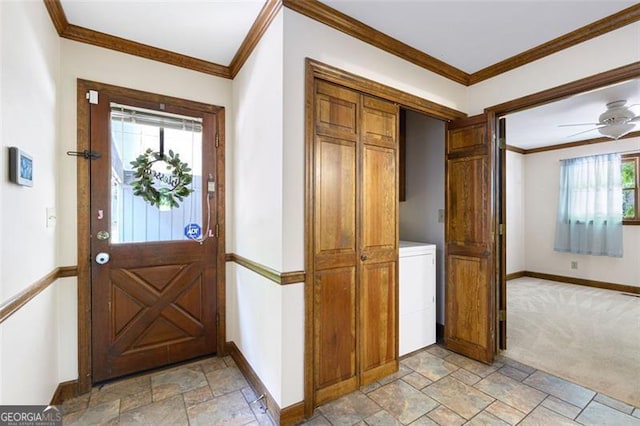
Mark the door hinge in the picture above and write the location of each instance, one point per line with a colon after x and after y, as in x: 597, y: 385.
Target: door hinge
x: 217, y: 230
x: 501, y: 229
x: 503, y: 143
x: 502, y: 315
x: 217, y: 320
x: 217, y: 140
x: 92, y: 96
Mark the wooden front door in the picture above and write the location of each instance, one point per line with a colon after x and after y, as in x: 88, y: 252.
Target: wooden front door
x: 154, y: 297
x: 355, y: 240
x: 470, y: 292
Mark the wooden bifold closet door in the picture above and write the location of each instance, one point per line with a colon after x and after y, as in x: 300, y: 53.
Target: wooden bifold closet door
x: 355, y: 240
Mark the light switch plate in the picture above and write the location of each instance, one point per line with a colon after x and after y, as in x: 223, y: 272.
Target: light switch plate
x: 51, y: 217
x: 440, y: 215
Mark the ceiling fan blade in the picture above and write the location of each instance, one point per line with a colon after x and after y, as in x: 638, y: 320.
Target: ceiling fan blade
x: 579, y: 124
x: 586, y: 131
x: 635, y: 119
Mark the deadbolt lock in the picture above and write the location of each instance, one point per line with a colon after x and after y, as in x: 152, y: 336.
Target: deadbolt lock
x: 102, y: 235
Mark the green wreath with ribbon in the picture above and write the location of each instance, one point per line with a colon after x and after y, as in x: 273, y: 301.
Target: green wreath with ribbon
x: 177, y: 179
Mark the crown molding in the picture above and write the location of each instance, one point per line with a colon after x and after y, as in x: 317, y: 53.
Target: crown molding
x: 58, y: 17
x: 267, y: 14
x: 84, y: 35
x: 572, y: 144
x: 335, y: 19
x: 606, y: 78
x: 595, y: 29
x: 350, y: 26
x: 341, y: 22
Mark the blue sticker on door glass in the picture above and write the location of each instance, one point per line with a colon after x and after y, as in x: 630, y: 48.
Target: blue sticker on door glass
x: 192, y: 231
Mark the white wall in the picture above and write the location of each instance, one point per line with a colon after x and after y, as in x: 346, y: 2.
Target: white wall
x: 254, y: 304
x: 29, y: 59
x: 2, y: 165
x: 257, y: 166
x: 516, y: 208
x: 541, y: 197
x: 106, y: 66
x: 425, y: 143
x: 609, y: 51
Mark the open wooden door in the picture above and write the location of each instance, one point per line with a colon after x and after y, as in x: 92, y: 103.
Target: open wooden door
x: 470, y: 274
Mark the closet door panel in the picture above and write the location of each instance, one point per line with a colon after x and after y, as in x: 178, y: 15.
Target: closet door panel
x: 355, y: 240
x: 335, y: 332
x: 377, y: 321
x: 336, y: 111
x: 378, y: 242
x: 378, y: 210
x: 335, y: 209
x: 379, y: 122
x: 335, y: 241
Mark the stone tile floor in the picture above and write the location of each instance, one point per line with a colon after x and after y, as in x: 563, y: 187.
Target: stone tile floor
x: 432, y: 387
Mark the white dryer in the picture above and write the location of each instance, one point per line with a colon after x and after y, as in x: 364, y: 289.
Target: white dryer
x: 417, y: 312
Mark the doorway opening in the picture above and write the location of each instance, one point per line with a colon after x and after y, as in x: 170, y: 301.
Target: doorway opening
x: 422, y: 217
x: 529, y: 188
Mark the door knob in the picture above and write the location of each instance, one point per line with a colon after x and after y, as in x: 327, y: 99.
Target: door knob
x: 363, y: 257
x: 102, y: 258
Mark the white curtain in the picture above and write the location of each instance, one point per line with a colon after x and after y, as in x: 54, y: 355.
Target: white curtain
x: 590, y: 206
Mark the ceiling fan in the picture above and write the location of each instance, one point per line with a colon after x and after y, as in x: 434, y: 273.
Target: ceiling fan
x: 615, y: 122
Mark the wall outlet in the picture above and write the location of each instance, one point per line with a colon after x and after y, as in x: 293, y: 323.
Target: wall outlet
x: 574, y: 264
x: 440, y: 215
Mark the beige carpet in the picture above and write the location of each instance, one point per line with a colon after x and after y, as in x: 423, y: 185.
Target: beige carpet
x: 587, y: 335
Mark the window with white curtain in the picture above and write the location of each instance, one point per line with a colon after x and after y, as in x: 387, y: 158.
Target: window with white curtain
x: 589, y: 217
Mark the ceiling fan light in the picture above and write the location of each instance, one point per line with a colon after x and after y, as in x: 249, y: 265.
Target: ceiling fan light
x: 616, y: 131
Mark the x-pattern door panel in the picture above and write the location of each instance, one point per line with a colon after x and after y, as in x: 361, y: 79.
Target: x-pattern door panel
x: 162, y: 313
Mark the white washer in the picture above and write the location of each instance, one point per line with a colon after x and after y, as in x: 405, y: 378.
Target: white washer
x: 417, y: 312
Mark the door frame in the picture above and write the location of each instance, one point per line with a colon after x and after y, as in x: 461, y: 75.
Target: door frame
x: 494, y: 113
x: 84, y: 215
x: 315, y: 70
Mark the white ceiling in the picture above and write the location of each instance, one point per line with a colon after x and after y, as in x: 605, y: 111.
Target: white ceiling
x: 212, y: 30
x: 539, y: 126
x: 467, y: 34
x: 473, y: 34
